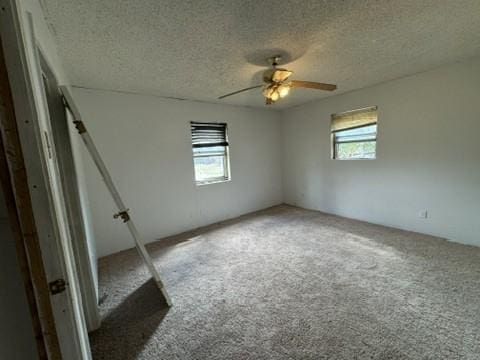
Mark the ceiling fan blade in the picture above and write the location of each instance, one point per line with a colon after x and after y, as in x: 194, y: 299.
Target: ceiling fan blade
x: 312, y: 85
x: 280, y: 75
x: 239, y: 91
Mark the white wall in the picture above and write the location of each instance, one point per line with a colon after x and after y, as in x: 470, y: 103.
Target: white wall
x: 16, y: 333
x: 428, y: 155
x: 145, y: 143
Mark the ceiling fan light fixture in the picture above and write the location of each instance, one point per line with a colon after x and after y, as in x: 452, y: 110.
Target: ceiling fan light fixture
x: 275, y: 95
x: 283, y: 90
x: 267, y: 92
x: 276, y: 83
x: 270, y: 92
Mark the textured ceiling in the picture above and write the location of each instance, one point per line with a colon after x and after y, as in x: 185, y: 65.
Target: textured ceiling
x: 201, y: 49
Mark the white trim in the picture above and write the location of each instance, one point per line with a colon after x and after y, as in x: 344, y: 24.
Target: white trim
x: 61, y: 140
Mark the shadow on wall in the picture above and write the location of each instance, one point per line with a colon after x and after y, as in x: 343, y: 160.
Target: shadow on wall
x: 143, y: 309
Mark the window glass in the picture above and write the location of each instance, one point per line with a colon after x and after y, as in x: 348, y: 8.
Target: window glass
x: 210, y: 152
x: 354, y: 135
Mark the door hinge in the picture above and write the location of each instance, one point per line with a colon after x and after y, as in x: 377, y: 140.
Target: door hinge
x: 57, y: 286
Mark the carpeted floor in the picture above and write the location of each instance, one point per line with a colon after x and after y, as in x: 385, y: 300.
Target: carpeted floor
x: 287, y: 283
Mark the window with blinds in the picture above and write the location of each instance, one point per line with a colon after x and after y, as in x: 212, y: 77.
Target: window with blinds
x: 210, y: 152
x: 354, y: 134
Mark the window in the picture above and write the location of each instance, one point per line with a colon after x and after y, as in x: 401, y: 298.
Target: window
x: 210, y: 152
x: 354, y: 134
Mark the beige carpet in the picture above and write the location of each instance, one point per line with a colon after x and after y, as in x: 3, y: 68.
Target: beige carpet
x: 288, y: 283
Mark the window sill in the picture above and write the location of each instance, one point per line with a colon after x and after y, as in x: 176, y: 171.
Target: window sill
x: 209, y: 182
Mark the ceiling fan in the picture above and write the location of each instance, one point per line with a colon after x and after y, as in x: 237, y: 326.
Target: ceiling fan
x: 277, y: 84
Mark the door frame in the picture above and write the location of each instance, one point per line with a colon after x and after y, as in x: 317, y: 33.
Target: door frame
x: 68, y: 174
x: 38, y: 195
x: 22, y: 223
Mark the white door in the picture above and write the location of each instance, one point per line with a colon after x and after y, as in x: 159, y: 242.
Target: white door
x: 46, y: 191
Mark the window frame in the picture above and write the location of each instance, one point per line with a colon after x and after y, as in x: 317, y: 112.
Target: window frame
x: 335, y: 144
x: 226, y: 159
x: 333, y: 138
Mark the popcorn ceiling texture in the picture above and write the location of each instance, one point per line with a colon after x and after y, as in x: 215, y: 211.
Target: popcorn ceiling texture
x: 201, y: 49
x: 287, y: 283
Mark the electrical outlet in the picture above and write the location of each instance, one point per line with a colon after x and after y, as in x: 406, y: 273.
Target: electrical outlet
x: 423, y: 214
